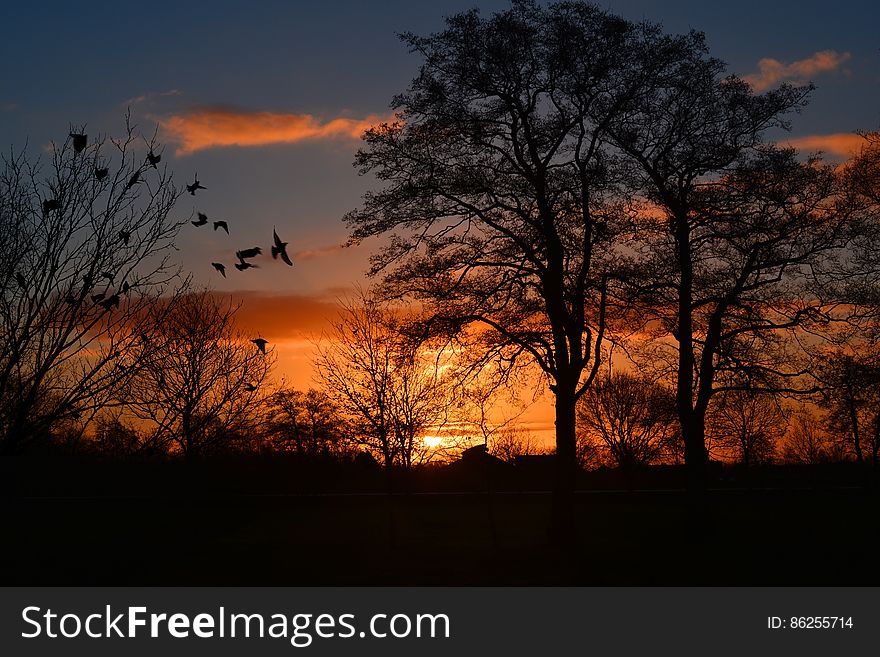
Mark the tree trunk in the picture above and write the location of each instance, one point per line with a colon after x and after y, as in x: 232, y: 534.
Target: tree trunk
x: 691, y: 419
x: 562, y: 521
x: 696, y: 459
x: 854, y: 418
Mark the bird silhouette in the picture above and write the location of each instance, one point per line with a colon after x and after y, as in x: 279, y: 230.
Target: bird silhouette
x: 101, y: 173
x: 223, y: 225
x: 280, y: 249
x: 261, y: 344
x: 196, y: 185
x: 203, y: 219
x: 248, y: 253
x: 124, y: 235
x: 79, y: 141
x: 250, y: 387
x: 153, y: 159
x: 219, y: 267
x: 241, y: 266
x: 133, y: 180
x: 125, y: 287
x: 50, y: 204
x: 19, y: 278
x: 110, y: 301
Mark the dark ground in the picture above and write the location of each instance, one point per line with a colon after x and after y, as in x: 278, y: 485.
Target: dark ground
x: 796, y: 537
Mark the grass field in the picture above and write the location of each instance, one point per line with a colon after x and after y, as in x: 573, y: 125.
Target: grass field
x: 744, y: 538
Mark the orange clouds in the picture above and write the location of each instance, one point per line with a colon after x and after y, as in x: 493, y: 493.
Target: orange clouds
x: 216, y: 128
x: 840, y: 144
x: 772, y: 71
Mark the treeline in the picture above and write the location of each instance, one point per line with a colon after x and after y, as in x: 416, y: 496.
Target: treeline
x: 628, y: 421
x: 106, y: 349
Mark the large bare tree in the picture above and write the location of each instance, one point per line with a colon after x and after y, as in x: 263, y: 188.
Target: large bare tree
x: 630, y: 417
x: 746, y: 426
x: 501, y: 194
x: 200, y: 381
x: 744, y: 244
x: 391, y: 386
x: 86, y: 234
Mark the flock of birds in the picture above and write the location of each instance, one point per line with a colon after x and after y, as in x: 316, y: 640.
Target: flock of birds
x: 79, y: 141
x: 278, y: 250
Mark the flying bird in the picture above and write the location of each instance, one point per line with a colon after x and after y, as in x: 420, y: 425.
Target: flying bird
x: 250, y: 387
x: 111, y: 301
x: 280, y: 249
x: 196, y: 185
x: 153, y: 159
x: 101, y: 173
x: 203, y: 219
x: 223, y: 225
x: 248, y: 253
x: 241, y: 266
x: 261, y: 344
x: 124, y: 235
x: 133, y: 180
x: 219, y: 266
x: 79, y: 141
x: 50, y: 204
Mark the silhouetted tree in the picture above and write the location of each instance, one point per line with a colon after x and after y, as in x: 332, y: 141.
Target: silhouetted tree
x: 746, y: 425
x: 850, y: 371
x: 503, y: 196
x: 632, y: 418
x: 306, y: 423
x: 852, y: 400
x: 807, y: 442
x: 511, y: 441
x: 114, y: 436
x: 81, y: 256
x: 863, y: 172
x: 391, y: 386
x: 200, y: 380
x: 740, y: 238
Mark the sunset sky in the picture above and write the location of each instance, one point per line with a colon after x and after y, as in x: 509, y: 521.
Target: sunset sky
x: 266, y: 102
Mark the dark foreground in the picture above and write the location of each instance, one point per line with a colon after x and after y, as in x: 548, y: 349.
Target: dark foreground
x: 803, y: 537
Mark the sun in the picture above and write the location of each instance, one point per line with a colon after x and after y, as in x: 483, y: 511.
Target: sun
x: 432, y: 441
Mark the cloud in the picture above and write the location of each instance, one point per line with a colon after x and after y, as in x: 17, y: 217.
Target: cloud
x: 217, y: 128
x: 150, y: 95
x: 772, y: 71
x: 840, y: 144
